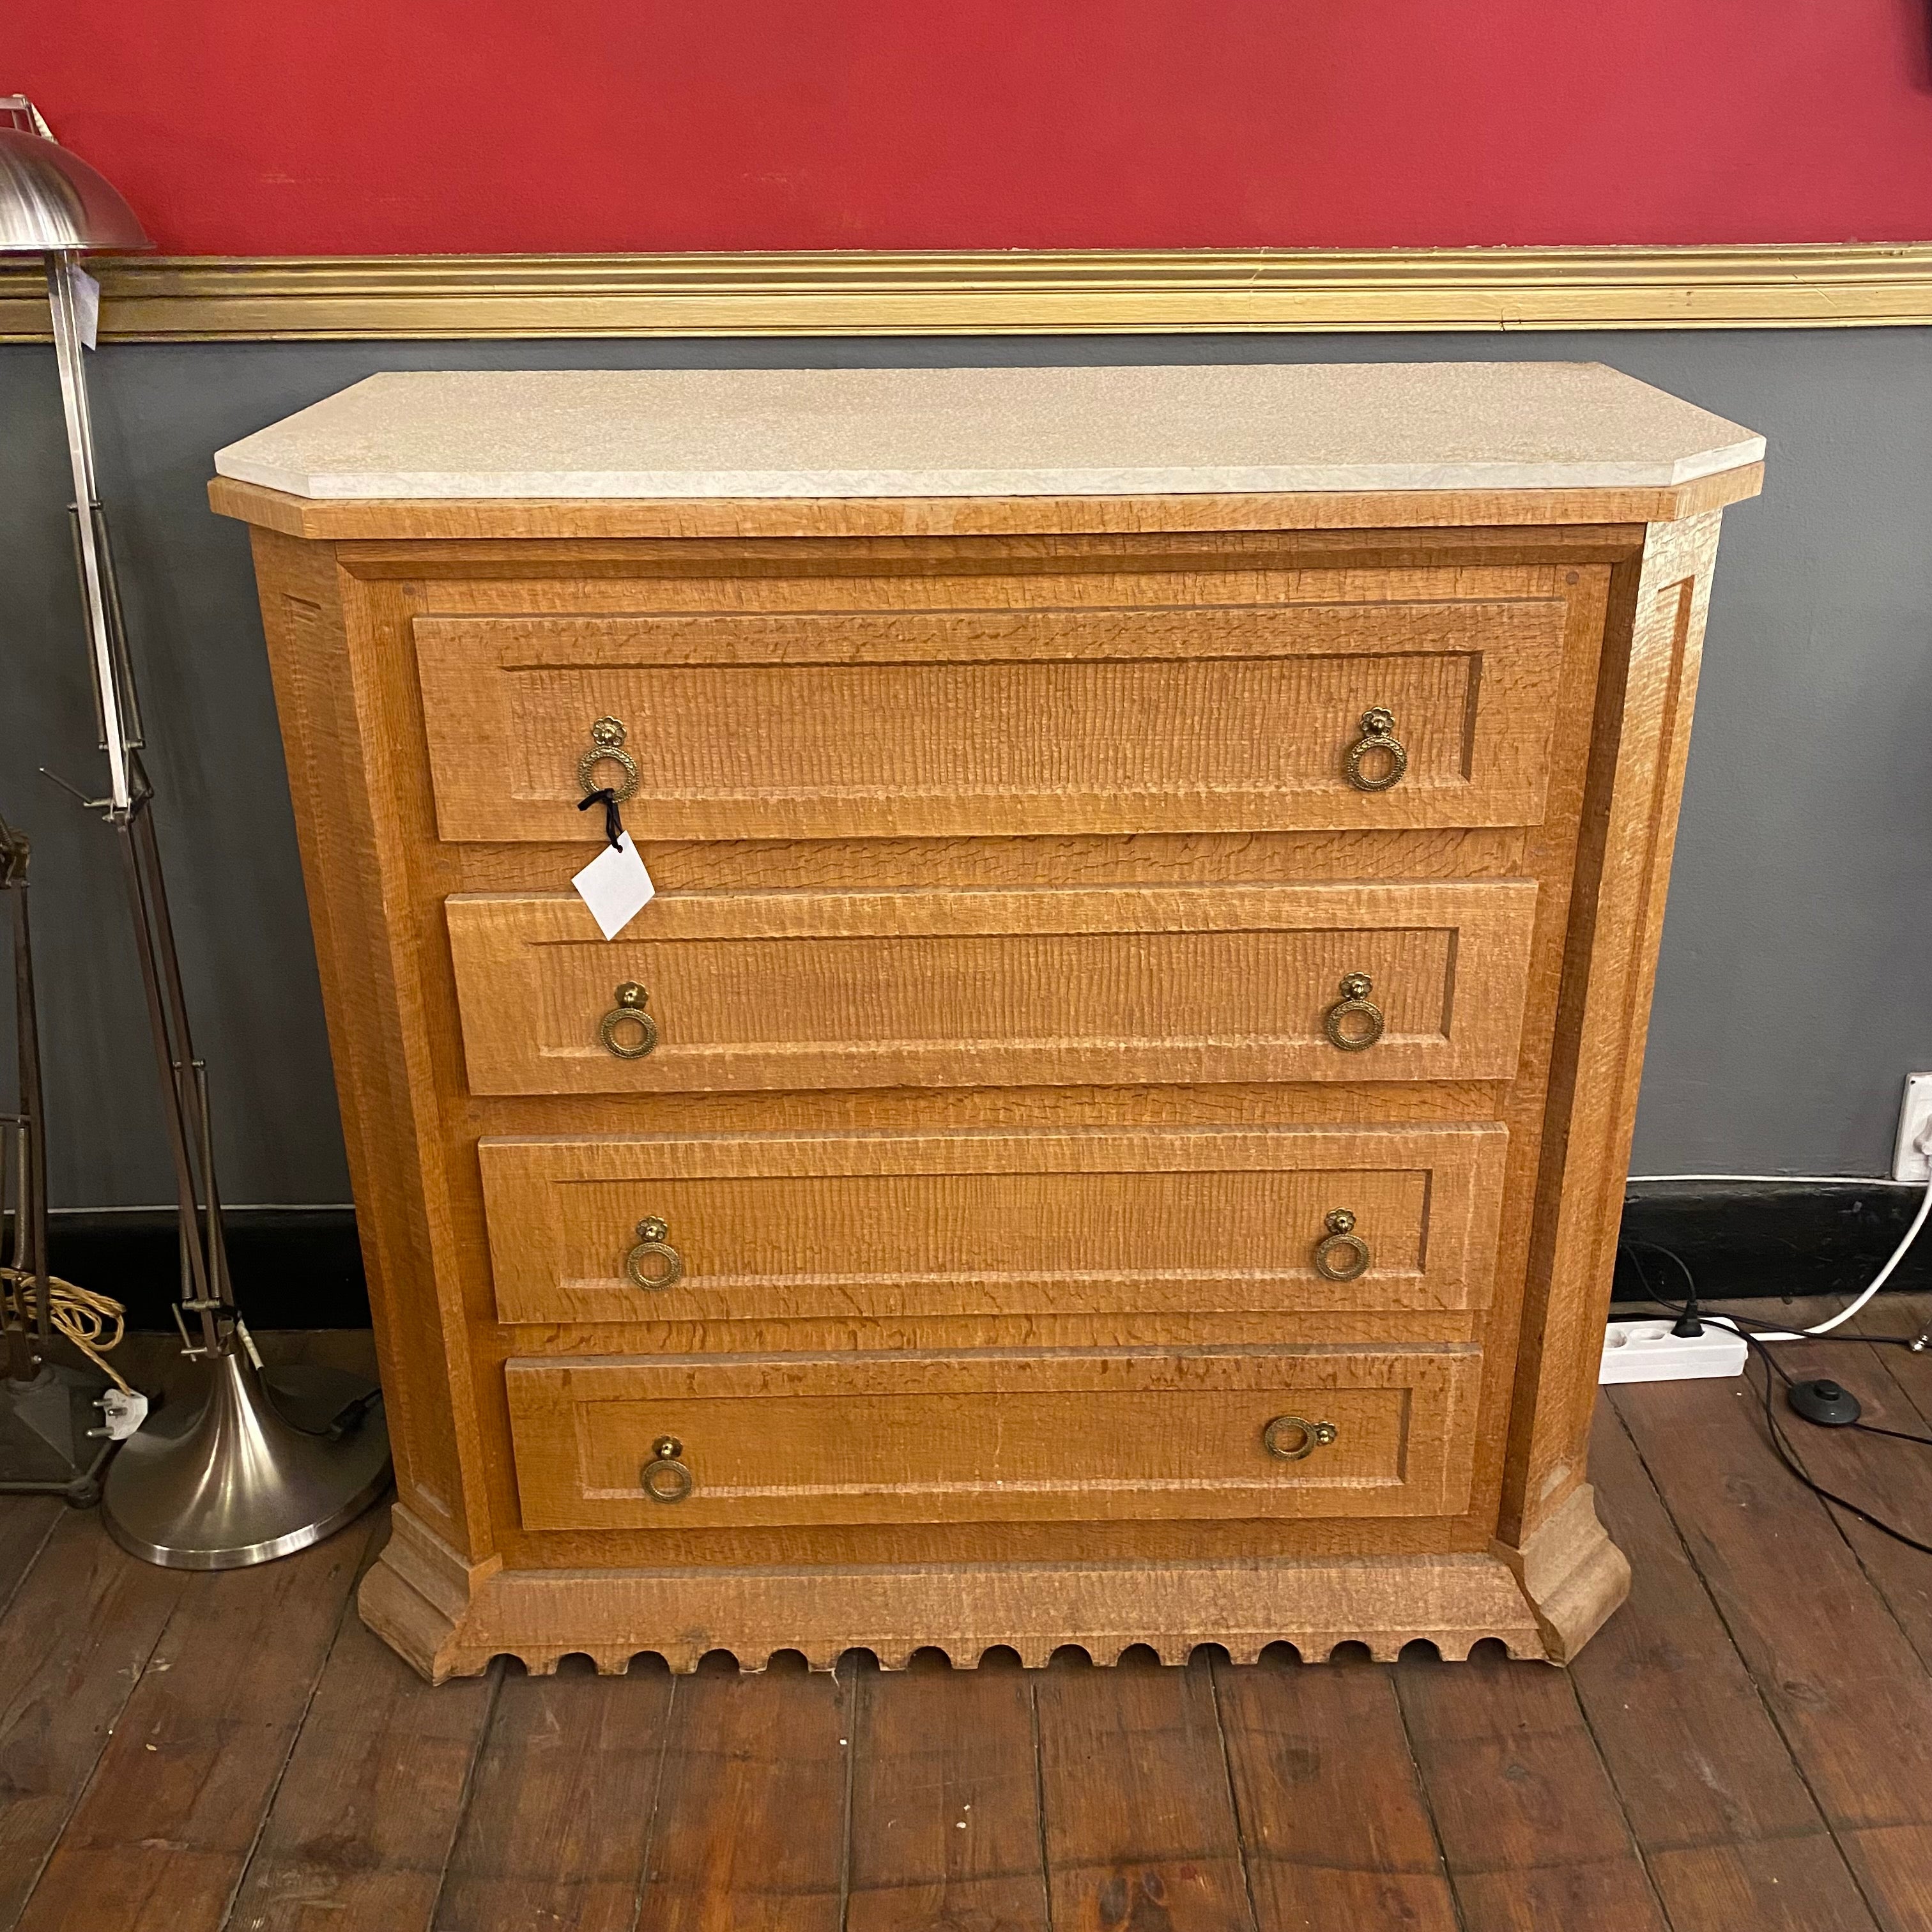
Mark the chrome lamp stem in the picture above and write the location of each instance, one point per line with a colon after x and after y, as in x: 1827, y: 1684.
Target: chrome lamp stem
x: 268, y: 1465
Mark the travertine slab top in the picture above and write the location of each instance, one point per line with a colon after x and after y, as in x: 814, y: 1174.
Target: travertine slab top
x: 1226, y: 429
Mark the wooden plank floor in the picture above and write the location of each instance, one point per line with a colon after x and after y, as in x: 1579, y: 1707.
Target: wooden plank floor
x: 1746, y: 1747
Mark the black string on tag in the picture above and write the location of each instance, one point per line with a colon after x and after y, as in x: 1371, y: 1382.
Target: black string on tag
x: 614, y: 823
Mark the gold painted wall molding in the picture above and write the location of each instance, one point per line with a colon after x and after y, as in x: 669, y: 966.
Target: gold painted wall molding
x: 461, y: 297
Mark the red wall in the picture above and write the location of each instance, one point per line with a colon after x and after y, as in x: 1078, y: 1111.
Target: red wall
x: 330, y: 127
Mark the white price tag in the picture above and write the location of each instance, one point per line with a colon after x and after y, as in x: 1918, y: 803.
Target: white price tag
x: 86, y: 304
x: 616, y: 886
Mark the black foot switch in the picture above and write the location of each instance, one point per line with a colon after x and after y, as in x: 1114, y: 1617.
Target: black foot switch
x: 1825, y: 1402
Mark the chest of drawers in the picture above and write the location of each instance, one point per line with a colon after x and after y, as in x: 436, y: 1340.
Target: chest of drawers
x: 1112, y: 1129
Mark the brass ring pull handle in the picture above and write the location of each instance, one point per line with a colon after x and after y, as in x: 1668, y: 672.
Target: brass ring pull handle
x: 652, y: 1247
x: 1292, y: 1437
x: 666, y: 1479
x: 614, y: 1029
x: 1378, y: 735
x: 1342, y: 1254
x: 1354, y: 1020
x: 606, y: 747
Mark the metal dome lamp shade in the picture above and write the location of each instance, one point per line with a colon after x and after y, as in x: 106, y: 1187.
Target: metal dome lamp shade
x: 266, y: 1466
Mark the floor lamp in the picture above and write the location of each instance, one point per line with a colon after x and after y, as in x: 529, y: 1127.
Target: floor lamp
x: 258, y: 1470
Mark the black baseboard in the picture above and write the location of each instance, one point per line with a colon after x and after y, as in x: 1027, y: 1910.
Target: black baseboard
x: 300, y: 1267
x: 1768, y: 1237
x: 293, y: 1267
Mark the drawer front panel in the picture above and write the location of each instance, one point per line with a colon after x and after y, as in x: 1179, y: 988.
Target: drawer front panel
x: 833, y: 724
x: 789, y: 1227
x: 1014, y: 1436
x: 1044, y: 987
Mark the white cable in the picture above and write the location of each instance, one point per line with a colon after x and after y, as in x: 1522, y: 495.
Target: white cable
x: 1781, y: 1180
x: 1877, y: 1282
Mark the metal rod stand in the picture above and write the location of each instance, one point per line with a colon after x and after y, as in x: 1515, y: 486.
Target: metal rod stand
x: 50, y: 1441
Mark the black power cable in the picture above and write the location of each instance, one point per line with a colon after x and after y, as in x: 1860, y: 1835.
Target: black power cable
x: 1773, y: 1372
x: 1730, y: 1317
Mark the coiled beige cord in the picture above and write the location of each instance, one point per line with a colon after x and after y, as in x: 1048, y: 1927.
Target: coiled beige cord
x: 92, y: 1322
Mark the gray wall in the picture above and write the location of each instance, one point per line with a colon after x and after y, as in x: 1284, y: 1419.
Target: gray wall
x: 1794, y: 991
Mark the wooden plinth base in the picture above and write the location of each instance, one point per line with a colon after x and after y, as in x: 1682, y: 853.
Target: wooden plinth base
x: 449, y: 1618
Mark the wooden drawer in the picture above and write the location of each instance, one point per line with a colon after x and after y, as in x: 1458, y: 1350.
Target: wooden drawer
x: 992, y: 1435
x: 831, y: 724
x: 791, y: 1226
x: 1040, y: 987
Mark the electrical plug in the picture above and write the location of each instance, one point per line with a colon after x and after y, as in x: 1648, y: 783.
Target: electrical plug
x: 124, y: 1411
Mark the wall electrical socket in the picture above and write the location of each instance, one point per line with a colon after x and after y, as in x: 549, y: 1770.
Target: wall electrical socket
x: 1907, y: 1162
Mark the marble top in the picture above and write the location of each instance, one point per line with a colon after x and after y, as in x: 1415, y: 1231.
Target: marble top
x: 1225, y: 429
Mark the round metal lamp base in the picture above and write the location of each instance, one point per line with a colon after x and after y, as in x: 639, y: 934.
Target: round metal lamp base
x: 253, y: 1476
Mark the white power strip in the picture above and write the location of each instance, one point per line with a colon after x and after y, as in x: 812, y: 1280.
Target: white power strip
x: 1647, y: 1351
